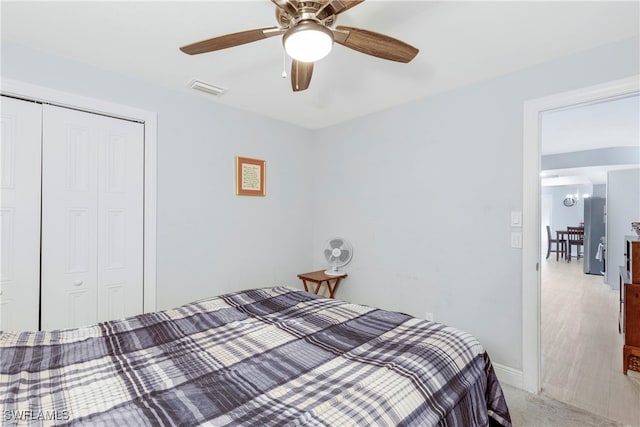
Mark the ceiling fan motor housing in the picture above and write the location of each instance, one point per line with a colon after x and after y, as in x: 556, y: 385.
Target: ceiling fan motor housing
x: 306, y: 10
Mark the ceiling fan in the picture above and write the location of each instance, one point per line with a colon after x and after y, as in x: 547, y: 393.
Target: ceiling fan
x: 309, y: 31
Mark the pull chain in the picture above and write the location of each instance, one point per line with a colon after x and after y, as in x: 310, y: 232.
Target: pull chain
x: 284, y: 64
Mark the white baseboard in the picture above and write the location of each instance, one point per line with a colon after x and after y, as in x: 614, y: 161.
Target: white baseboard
x: 509, y: 376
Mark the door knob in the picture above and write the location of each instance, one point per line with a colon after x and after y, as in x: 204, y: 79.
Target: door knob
x: 77, y: 282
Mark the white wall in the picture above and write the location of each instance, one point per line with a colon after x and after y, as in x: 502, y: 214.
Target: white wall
x: 425, y: 193
x: 563, y: 216
x: 209, y: 241
x: 559, y: 216
x: 623, y: 207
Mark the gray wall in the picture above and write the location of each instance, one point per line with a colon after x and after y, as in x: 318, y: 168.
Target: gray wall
x: 599, y: 190
x: 209, y: 241
x: 586, y: 158
x: 423, y: 191
x: 623, y: 207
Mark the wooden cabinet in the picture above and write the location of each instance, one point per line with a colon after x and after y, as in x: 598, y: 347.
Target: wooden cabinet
x: 632, y: 258
x: 630, y: 307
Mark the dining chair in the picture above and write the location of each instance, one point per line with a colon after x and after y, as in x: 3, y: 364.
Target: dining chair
x: 575, y: 237
x: 560, y: 245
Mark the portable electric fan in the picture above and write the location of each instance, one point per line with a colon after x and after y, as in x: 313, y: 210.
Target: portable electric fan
x: 338, y: 253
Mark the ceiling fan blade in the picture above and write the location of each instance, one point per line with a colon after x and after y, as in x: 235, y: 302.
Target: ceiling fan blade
x: 301, y: 73
x: 336, y: 7
x: 376, y: 44
x: 287, y: 6
x: 231, y: 40
x: 340, y: 6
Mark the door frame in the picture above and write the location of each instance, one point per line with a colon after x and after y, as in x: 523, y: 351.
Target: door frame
x: 531, y: 299
x: 149, y: 119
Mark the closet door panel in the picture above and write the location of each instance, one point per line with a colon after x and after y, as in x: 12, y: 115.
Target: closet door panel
x: 69, y: 218
x: 120, y: 221
x: 91, y: 230
x: 20, y: 132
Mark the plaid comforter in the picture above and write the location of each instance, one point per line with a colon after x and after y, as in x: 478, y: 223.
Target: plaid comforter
x: 265, y: 357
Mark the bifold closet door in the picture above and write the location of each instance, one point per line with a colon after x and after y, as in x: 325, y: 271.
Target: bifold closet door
x: 92, y: 218
x: 20, y: 215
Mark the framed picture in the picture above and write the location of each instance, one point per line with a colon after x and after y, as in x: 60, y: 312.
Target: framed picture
x: 251, y: 177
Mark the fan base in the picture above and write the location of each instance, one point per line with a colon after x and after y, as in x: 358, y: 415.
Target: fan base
x: 334, y: 273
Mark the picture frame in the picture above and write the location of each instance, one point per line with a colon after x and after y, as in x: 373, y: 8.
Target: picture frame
x: 251, y: 177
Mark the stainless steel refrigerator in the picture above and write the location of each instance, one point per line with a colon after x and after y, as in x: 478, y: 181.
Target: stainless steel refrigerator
x: 594, y: 233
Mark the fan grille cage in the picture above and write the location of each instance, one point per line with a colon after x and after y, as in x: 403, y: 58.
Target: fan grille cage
x: 338, y: 252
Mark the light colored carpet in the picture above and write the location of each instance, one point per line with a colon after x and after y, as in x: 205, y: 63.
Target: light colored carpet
x: 529, y: 410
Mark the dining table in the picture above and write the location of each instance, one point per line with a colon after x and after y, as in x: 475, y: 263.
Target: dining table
x: 561, y: 235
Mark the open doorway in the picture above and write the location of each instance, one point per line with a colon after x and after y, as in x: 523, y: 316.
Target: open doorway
x: 580, y: 343
x: 531, y: 254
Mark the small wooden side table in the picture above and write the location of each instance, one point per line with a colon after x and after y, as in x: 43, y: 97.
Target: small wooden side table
x: 319, y: 277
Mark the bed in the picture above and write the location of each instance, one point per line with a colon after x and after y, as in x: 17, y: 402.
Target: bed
x: 262, y: 357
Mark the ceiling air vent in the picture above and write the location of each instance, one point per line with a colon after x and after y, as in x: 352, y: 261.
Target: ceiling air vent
x: 207, y: 87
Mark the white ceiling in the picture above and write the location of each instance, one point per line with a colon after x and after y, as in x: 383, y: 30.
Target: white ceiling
x: 607, y: 124
x: 460, y: 43
x: 592, y: 175
x: 613, y: 123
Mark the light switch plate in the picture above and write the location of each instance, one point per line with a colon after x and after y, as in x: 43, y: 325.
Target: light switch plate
x: 516, y: 239
x: 516, y: 219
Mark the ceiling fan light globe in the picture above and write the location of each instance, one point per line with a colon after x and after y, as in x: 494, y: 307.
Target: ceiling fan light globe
x: 308, y: 42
